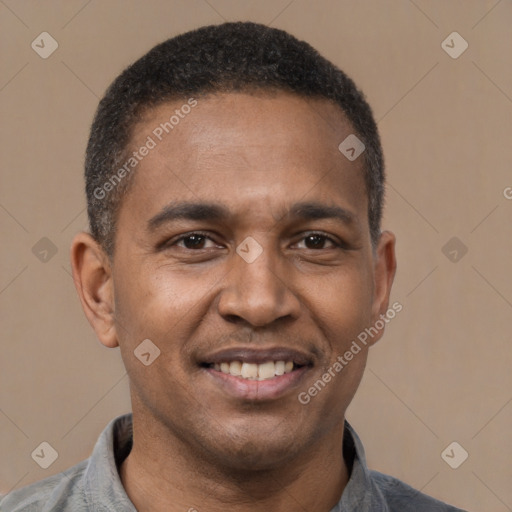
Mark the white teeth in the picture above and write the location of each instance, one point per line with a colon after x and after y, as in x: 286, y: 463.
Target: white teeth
x: 266, y: 370
x: 249, y: 371
x: 253, y: 371
x: 235, y: 368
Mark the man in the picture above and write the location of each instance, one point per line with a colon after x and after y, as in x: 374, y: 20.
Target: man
x: 234, y: 183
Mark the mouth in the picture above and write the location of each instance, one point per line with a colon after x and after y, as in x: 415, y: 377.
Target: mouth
x: 253, y: 371
x: 257, y: 374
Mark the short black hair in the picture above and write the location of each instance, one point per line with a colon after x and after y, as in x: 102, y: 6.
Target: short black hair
x: 230, y: 57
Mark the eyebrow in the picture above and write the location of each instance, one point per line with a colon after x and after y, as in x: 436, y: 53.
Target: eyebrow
x: 216, y: 212
x: 188, y: 211
x: 316, y: 210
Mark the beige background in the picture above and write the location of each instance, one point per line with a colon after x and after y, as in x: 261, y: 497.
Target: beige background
x: 442, y: 371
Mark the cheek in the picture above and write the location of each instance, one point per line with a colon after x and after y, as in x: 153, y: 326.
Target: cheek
x: 340, y: 303
x: 160, y: 302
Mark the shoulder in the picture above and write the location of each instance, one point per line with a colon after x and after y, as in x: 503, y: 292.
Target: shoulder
x: 400, y: 497
x: 61, y: 492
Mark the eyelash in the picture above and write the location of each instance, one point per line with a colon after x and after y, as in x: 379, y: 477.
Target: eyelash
x: 327, y: 238
x: 188, y: 235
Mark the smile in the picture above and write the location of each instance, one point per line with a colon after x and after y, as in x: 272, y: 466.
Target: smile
x: 257, y: 374
x: 253, y: 371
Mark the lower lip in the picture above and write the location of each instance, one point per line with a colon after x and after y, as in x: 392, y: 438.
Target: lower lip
x: 258, y: 390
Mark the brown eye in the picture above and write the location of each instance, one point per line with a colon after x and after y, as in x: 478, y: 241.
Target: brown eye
x: 317, y: 241
x: 314, y: 241
x: 191, y: 241
x: 194, y: 241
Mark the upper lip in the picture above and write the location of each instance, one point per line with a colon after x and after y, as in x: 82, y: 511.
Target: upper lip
x: 258, y: 356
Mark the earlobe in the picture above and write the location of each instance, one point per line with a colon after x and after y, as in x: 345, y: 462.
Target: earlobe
x: 93, y: 280
x: 384, y: 274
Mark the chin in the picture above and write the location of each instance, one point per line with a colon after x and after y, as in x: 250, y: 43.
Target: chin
x: 255, y: 450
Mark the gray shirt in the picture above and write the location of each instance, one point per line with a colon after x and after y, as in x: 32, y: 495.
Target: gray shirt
x: 94, y: 484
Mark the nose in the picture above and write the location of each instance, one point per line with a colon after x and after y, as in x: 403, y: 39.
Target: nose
x: 257, y: 293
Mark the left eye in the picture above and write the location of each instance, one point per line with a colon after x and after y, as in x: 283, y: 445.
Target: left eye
x: 194, y: 241
x: 316, y: 241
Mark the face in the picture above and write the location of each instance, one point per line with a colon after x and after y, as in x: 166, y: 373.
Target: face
x: 243, y: 253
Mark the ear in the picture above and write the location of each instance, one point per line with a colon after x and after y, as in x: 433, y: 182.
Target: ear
x: 383, y: 276
x: 93, y: 280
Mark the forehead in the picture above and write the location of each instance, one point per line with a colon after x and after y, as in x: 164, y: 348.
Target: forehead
x: 248, y: 119
x: 241, y: 149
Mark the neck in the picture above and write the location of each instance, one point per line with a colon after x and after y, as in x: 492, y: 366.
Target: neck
x: 162, y: 474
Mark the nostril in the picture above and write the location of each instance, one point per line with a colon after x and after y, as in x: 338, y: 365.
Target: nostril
x: 234, y: 319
